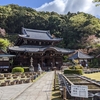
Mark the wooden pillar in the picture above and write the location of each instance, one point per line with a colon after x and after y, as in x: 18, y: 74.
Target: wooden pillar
x: 61, y: 61
x: 42, y: 62
x: 53, y: 62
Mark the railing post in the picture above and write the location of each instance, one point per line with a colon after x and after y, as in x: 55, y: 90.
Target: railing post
x: 55, y: 79
x: 54, y: 84
x: 55, y: 73
x: 64, y: 93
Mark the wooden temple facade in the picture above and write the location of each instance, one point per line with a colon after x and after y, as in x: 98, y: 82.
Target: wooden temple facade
x: 37, y: 46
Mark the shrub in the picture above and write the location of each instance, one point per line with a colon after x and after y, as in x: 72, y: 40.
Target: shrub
x: 26, y: 69
x: 76, y: 67
x: 73, y: 71
x: 71, y: 67
x: 17, y: 69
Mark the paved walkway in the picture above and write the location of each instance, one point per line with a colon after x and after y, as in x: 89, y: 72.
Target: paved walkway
x: 40, y: 90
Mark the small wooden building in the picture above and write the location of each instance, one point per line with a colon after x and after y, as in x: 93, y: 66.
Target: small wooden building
x: 82, y: 57
x: 38, y: 45
x: 5, y: 61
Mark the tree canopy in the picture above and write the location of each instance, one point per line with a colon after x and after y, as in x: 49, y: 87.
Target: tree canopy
x: 97, y: 2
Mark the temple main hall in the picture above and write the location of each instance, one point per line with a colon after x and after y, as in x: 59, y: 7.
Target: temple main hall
x: 35, y: 47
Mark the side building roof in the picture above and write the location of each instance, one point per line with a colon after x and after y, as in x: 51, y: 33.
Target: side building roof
x: 4, y: 54
x: 80, y: 55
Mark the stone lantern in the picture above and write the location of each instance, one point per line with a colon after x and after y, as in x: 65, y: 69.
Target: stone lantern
x: 31, y: 65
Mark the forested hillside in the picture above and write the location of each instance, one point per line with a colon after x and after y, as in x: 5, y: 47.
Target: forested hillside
x: 75, y: 28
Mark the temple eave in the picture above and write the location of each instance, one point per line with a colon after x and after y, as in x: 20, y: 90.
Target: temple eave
x: 52, y: 40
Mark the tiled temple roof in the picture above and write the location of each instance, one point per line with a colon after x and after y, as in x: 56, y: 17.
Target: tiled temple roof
x: 30, y: 48
x: 38, y: 35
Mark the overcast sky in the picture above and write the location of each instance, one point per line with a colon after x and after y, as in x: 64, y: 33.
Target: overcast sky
x: 59, y: 6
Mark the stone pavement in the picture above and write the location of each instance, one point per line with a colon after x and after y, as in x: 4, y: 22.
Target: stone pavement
x: 39, y: 90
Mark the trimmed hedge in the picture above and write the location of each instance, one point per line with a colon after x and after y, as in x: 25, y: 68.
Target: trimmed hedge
x: 73, y: 71
x: 18, y: 69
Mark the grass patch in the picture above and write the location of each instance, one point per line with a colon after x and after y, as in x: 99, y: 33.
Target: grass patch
x: 93, y: 76
x: 56, y: 93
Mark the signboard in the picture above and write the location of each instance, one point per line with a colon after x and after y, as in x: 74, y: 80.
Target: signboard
x: 79, y: 91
